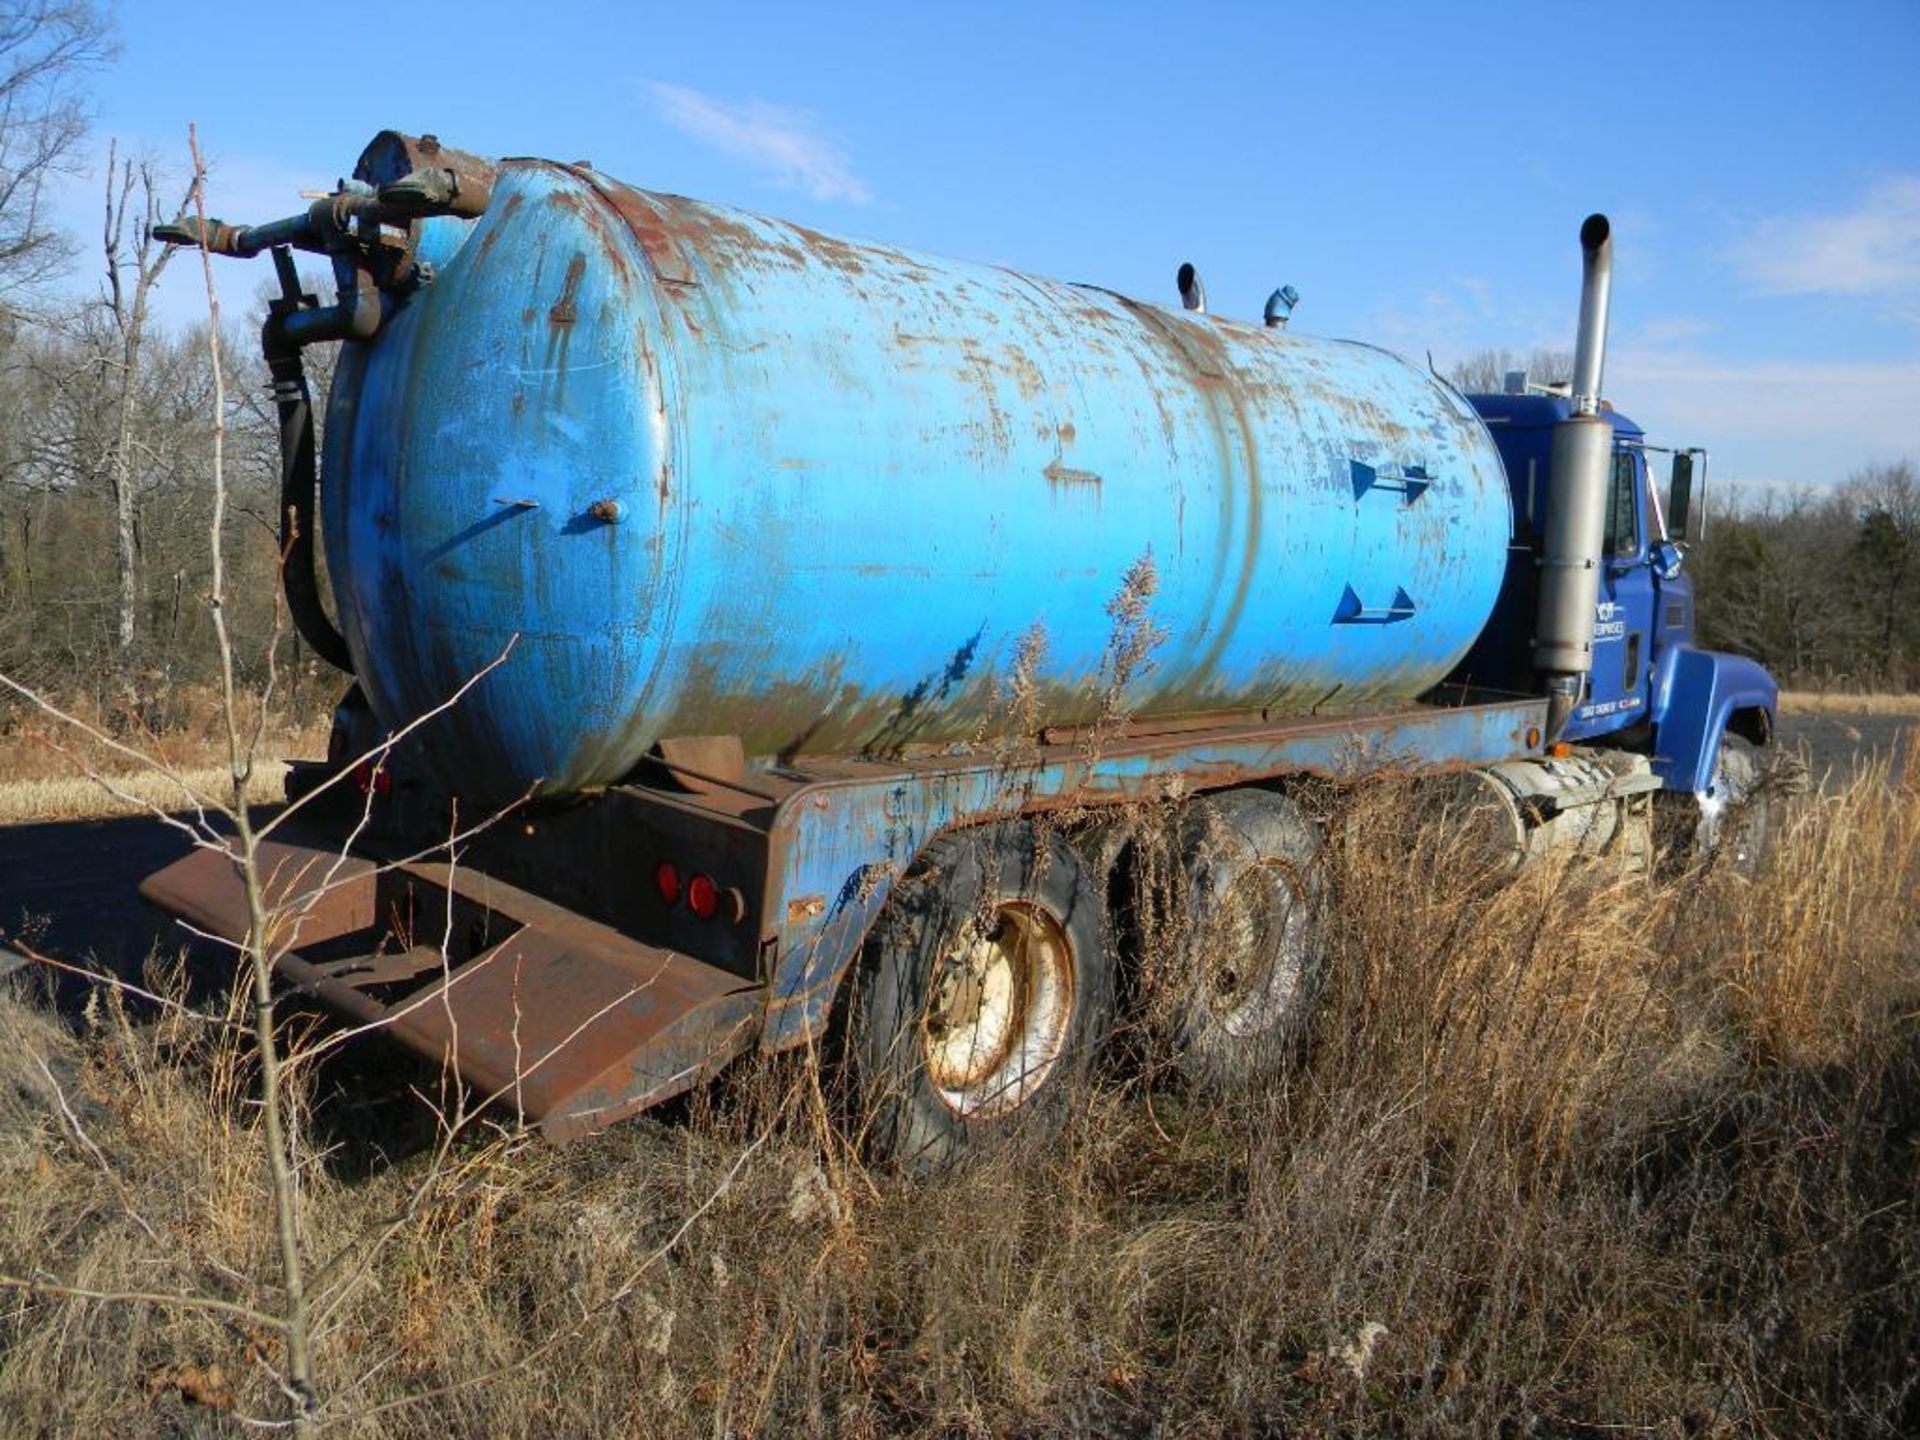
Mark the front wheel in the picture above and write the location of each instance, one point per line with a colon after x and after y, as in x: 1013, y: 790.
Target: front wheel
x: 983, y: 994
x: 1732, y: 821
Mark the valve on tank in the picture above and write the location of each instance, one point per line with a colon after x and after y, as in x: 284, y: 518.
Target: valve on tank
x: 368, y: 227
x: 1280, y: 307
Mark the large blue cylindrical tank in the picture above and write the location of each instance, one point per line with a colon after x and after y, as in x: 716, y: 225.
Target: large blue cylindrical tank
x: 720, y: 474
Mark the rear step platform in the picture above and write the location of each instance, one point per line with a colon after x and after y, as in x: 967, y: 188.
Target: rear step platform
x: 566, y: 1021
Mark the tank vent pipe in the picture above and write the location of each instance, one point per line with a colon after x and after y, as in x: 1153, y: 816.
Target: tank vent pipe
x: 1193, y: 295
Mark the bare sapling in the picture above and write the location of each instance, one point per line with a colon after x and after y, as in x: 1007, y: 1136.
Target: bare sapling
x: 261, y: 1065
x: 133, y: 268
x: 240, y: 753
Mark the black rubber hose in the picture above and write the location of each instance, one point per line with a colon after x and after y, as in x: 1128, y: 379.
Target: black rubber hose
x: 299, y: 490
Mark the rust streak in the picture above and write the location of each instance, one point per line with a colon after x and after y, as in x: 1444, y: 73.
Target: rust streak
x: 1059, y: 476
x: 565, y: 311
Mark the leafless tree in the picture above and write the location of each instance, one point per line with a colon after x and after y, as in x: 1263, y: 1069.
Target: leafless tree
x: 134, y: 266
x: 1822, y: 585
x: 46, y: 46
x: 1885, y: 555
x: 1485, y: 371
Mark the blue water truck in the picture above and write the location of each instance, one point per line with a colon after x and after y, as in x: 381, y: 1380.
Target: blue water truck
x: 760, y: 639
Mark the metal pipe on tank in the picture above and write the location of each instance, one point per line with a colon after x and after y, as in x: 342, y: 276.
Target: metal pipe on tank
x: 1581, y: 464
x: 1193, y: 295
x: 399, y: 181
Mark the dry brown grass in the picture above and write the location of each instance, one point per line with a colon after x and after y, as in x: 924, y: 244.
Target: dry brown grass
x: 1825, y: 702
x: 51, y: 769
x: 1592, y: 1153
x: 121, y: 792
x: 184, y: 729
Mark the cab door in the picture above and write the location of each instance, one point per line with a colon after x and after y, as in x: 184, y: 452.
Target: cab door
x: 1624, y: 617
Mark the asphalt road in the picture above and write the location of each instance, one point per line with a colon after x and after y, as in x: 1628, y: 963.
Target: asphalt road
x: 70, y: 888
x: 1835, y: 744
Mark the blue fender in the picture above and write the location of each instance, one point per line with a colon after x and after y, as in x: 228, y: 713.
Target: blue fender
x: 1695, y: 694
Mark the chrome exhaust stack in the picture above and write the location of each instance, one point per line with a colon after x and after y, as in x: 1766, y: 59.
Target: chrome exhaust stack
x: 1580, y: 466
x: 1596, y: 295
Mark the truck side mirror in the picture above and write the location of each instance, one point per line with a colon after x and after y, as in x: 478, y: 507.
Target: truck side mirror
x: 1666, y: 559
x: 1682, y: 522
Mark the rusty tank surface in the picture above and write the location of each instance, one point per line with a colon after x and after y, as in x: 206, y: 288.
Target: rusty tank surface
x: 704, y: 472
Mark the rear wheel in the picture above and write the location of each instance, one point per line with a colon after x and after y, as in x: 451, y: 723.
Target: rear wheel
x: 1252, y: 950
x: 983, y: 994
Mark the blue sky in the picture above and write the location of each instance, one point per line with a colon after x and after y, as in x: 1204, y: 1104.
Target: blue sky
x: 1418, y: 172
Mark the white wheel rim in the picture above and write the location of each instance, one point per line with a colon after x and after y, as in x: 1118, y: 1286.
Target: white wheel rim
x: 1000, y: 1007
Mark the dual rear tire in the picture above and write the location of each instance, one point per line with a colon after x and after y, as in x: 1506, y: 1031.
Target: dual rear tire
x: 1250, y: 954
x: 987, y: 988
x: 984, y: 993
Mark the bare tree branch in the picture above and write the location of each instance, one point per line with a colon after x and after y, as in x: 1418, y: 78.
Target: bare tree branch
x: 46, y: 48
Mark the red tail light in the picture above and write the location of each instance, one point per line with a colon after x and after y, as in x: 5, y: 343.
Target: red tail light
x: 666, y: 879
x: 372, y: 779
x: 703, y: 896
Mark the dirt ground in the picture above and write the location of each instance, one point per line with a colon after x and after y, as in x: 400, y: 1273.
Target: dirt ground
x: 70, y: 888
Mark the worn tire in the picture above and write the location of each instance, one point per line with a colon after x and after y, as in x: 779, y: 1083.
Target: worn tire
x: 1734, y: 820
x: 983, y: 994
x: 1252, y: 952
x: 1739, y: 809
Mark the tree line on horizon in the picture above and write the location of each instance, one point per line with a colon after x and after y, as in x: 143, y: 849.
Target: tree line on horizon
x: 1822, y: 585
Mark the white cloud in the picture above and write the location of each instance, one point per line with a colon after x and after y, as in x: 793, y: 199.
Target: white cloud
x: 1666, y: 331
x: 1788, y: 421
x: 1870, y: 250
x: 1468, y: 315
x: 785, y: 144
x: 1767, y: 417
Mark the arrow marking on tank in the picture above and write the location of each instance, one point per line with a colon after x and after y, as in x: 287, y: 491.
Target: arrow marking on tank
x: 1412, y: 481
x: 1351, y: 611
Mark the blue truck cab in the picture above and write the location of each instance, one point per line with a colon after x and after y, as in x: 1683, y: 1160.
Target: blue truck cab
x: 1651, y: 687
